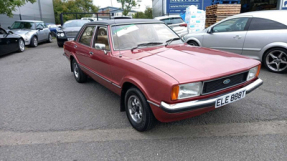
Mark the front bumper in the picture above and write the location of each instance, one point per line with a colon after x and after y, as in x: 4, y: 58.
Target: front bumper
x: 197, y: 104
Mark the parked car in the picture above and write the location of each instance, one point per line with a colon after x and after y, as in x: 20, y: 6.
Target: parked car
x: 10, y: 42
x: 260, y: 35
x: 32, y: 32
x: 69, y: 31
x: 91, y: 18
x: 175, y: 22
x: 53, y: 28
x: 155, y: 73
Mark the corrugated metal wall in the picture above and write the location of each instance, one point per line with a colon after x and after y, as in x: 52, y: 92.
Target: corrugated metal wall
x: 40, y: 10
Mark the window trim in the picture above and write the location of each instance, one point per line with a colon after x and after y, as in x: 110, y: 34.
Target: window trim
x: 244, y: 30
x: 108, y: 37
x: 83, y: 30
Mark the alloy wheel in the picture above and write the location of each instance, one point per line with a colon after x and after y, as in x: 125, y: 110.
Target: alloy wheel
x: 35, y: 41
x: 135, y: 108
x: 21, y: 45
x: 276, y: 60
x: 50, y: 38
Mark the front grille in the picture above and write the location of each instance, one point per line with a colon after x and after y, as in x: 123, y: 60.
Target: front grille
x: 217, y: 84
x: 71, y: 34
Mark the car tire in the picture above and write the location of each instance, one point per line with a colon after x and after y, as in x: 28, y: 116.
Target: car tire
x: 50, y: 39
x: 34, y: 41
x: 275, y: 60
x: 60, y: 44
x: 193, y: 43
x: 21, y: 45
x: 79, y: 75
x: 138, y: 110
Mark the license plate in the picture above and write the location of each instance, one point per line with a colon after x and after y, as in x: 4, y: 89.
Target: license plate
x: 229, y: 98
x: 70, y: 39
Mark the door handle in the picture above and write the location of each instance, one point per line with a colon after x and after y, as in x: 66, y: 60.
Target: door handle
x: 91, y: 53
x: 75, y: 46
x: 237, y: 36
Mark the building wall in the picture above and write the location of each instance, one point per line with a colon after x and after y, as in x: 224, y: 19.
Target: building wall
x: 40, y: 10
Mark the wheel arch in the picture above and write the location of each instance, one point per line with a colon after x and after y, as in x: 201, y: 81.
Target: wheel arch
x: 193, y: 39
x: 271, y: 46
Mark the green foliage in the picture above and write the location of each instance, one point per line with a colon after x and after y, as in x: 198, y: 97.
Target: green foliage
x: 127, y: 5
x: 8, y: 6
x: 146, y: 14
x: 80, y: 6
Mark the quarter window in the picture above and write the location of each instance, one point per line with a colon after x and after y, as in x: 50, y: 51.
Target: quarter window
x: 265, y: 24
x: 236, y: 24
x: 87, y: 35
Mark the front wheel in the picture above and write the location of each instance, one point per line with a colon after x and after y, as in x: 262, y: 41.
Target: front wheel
x: 60, y: 44
x: 138, y: 110
x: 193, y: 43
x: 34, y: 41
x: 21, y: 45
x: 276, y: 60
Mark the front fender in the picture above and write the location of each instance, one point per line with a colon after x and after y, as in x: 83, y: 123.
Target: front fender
x: 269, y: 46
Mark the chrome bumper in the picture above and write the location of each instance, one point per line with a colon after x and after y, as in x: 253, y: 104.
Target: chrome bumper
x: 197, y: 104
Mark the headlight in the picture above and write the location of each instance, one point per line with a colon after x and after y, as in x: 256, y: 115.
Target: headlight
x: 28, y: 34
x: 62, y: 34
x: 186, y: 90
x: 253, y: 72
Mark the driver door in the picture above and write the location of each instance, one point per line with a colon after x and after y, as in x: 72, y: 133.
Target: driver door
x: 41, y: 33
x: 228, y: 35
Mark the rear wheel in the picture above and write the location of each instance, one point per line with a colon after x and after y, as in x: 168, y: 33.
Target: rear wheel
x: 193, y: 43
x: 138, y: 110
x: 34, y: 41
x: 276, y: 60
x: 21, y: 45
x: 50, y: 39
x: 79, y: 75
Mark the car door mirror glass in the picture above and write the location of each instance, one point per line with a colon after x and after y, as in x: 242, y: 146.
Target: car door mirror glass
x: 100, y: 46
x: 9, y: 27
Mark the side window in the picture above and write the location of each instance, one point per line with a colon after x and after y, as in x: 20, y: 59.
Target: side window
x: 236, y: 24
x: 101, y: 38
x: 265, y: 24
x: 87, y: 35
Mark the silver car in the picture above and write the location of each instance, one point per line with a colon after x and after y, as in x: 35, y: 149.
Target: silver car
x: 175, y: 22
x: 31, y: 31
x: 261, y: 35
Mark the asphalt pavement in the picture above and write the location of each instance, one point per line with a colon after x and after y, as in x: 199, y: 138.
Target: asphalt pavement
x: 46, y: 115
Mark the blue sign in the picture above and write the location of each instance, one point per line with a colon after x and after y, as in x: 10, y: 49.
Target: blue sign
x: 284, y: 4
x: 179, y: 6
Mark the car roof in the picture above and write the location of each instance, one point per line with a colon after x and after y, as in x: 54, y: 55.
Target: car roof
x: 276, y: 15
x: 123, y: 21
x: 28, y: 21
x: 164, y: 17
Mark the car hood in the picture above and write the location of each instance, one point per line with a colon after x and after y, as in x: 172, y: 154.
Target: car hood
x: 190, y: 64
x: 71, y: 29
x: 22, y: 32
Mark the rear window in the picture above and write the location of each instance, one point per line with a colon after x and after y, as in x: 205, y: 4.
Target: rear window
x: 265, y: 24
x: 170, y: 21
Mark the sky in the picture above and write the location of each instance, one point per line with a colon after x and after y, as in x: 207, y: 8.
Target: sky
x: 105, y: 3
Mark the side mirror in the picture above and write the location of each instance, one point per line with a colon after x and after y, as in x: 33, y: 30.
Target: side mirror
x: 39, y: 28
x: 209, y: 30
x: 10, y: 32
x: 100, y: 46
x: 9, y: 27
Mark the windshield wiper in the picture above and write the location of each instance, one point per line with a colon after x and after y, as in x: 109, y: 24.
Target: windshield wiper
x: 146, y: 44
x: 171, y: 40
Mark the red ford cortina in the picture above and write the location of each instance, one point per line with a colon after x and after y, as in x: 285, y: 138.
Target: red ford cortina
x: 158, y: 76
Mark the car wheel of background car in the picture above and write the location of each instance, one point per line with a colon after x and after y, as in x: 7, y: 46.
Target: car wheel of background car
x: 79, y: 75
x: 21, y: 45
x: 276, y: 60
x: 50, y: 39
x: 103, y: 32
x: 34, y: 41
x: 138, y: 110
x: 193, y: 43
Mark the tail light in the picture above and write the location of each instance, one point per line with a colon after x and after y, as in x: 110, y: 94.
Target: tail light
x: 185, y: 25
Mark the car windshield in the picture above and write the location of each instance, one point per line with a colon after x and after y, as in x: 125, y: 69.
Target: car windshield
x: 77, y: 23
x: 130, y: 36
x: 23, y: 25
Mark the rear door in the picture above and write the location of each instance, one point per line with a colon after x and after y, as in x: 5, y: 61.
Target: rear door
x: 228, y: 35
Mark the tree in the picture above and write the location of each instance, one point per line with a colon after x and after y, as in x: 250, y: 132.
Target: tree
x: 146, y: 14
x: 127, y: 5
x: 79, y: 6
x: 8, y: 6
